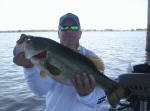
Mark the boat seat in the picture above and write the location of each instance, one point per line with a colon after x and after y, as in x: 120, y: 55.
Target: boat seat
x: 138, y: 83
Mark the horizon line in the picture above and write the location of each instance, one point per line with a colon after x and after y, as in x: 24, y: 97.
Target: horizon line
x: 107, y: 29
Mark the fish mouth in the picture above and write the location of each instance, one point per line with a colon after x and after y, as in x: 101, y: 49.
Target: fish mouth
x: 41, y: 55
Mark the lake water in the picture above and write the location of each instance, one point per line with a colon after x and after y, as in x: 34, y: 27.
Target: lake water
x: 117, y: 49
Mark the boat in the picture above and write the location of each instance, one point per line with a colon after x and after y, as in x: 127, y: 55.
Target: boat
x: 138, y: 80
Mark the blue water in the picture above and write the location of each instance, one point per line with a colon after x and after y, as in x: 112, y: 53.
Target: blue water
x: 117, y: 49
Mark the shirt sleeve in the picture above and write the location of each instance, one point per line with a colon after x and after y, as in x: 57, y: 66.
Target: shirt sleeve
x: 39, y: 86
x: 97, y: 98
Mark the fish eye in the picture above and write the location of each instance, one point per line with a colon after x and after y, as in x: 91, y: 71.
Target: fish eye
x: 29, y: 39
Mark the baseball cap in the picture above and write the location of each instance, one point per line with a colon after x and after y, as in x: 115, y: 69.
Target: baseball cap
x: 69, y: 16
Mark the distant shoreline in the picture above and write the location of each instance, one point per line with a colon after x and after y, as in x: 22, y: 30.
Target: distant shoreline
x: 84, y: 30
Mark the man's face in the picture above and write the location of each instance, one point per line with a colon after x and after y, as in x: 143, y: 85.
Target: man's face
x: 69, y: 37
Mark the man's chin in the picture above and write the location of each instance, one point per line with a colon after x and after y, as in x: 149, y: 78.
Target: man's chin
x: 67, y: 44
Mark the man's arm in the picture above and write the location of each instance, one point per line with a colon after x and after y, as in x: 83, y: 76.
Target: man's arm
x: 39, y: 86
x: 87, y: 92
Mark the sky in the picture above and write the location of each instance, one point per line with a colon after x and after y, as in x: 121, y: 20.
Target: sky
x: 93, y: 14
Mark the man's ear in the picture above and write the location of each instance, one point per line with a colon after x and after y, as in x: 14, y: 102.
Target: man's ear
x: 80, y: 34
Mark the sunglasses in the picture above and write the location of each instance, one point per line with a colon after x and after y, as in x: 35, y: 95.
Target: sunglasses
x: 73, y: 28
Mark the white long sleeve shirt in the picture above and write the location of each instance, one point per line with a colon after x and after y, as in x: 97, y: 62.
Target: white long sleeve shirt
x: 60, y: 97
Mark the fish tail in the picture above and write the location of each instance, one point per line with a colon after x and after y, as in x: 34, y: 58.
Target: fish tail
x: 118, y: 93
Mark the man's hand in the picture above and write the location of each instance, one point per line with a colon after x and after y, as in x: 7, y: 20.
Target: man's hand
x: 20, y: 60
x: 84, y: 85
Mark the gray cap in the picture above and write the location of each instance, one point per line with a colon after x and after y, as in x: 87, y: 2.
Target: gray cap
x: 69, y: 16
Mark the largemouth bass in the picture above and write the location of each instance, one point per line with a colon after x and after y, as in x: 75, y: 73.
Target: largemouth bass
x: 62, y: 64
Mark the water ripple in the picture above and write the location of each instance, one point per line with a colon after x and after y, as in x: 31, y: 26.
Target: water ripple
x: 117, y: 49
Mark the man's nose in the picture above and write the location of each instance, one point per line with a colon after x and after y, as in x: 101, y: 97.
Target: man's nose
x: 69, y: 31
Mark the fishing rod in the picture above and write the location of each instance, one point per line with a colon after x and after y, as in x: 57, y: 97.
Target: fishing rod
x: 148, y: 33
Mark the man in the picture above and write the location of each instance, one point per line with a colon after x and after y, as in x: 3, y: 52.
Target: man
x: 59, y: 97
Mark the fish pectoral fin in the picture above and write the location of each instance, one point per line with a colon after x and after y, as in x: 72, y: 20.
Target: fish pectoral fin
x: 118, y: 93
x: 52, y: 69
x: 97, y: 62
x: 43, y: 74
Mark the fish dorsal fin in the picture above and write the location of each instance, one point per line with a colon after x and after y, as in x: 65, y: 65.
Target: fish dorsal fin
x: 43, y: 74
x: 97, y: 62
